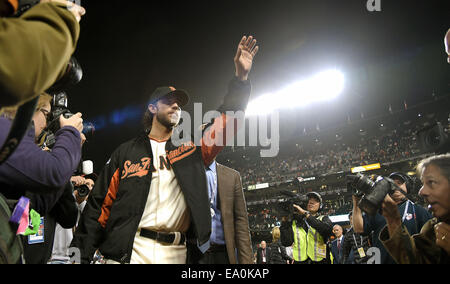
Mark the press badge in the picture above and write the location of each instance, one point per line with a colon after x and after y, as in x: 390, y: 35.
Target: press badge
x: 361, y: 252
x: 39, y: 236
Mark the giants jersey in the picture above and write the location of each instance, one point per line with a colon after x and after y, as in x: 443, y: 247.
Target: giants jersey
x: 165, y: 211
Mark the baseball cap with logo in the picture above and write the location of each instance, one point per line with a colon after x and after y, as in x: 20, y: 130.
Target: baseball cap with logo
x: 168, y: 92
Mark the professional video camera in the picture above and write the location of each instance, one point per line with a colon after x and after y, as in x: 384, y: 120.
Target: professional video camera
x: 292, y: 198
x: 372, y: 192
x: 433, y: 138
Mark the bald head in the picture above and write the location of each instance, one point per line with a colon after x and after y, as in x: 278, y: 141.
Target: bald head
x: 447, y: 44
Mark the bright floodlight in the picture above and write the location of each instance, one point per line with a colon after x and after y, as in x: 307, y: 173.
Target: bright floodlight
x: 324, y: 86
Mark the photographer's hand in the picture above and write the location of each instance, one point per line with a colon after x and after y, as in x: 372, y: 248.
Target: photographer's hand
x: 300, y: 210
x: 76, y: 10
x: 77, y: 180
x: 83, y: 139
x: 358, y: 221
x: 391, y: 214
x: 74, y: 121
x: 442, y: 231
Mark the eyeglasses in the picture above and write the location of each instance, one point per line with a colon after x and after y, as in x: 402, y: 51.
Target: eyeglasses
x: 45, y: 112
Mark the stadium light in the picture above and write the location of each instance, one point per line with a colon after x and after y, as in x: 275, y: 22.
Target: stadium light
x: 324, y: 86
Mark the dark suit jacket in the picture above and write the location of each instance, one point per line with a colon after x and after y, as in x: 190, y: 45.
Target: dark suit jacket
x: 337, y: 253
x: 259, y: 256
x: 234, y: 216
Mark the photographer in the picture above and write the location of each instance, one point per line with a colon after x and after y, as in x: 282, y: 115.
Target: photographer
x: 413, y: 216
x: 432, y: 244
x: 308, y: 231
x: 83, y: 184
x: 30, y: 171
x: 35, y: 47
x: 30, y: 168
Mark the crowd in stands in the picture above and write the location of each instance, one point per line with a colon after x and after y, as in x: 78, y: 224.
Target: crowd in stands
x: 320, y: 160
x: 383, y: 145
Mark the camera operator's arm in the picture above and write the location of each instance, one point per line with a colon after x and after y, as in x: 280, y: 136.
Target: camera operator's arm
x: 35, y: 50
x: 324, y: 227
x: 38, y: 171
x: 347, y: 246
x: 358, y: 222
x: 391, y: 214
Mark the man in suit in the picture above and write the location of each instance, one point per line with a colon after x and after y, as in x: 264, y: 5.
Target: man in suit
x: 337, y: 245
x: 230, y: 241
x: 263, y: 254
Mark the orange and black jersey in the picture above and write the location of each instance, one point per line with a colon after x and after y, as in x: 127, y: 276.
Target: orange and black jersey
x: 115, y: 207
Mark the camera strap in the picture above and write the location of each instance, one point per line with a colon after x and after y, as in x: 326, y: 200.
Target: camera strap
x: 18, y: 129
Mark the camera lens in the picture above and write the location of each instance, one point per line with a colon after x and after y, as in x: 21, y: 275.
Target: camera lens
x: 361, y: 183
x: 83, y: 191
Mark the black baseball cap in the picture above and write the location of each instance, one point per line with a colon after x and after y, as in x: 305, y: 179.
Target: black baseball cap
x: 161, y: 92
x: 405, y: 178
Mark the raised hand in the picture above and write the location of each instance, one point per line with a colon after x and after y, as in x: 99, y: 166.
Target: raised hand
x: 245, y: 53
x: 299, y: 209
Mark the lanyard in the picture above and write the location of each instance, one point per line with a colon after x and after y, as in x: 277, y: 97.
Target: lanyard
x: 414, y: 214
x: 356, y: 242
x: 405, y: 213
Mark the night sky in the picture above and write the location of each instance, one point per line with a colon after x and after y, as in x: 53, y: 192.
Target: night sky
x: 128, y: 48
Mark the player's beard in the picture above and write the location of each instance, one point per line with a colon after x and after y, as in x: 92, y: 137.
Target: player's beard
x: 166, y: 121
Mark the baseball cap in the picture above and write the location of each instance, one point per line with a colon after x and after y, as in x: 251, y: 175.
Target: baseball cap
x: 161, y: 92
x: 398, y: 175
x: 405, y: 178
